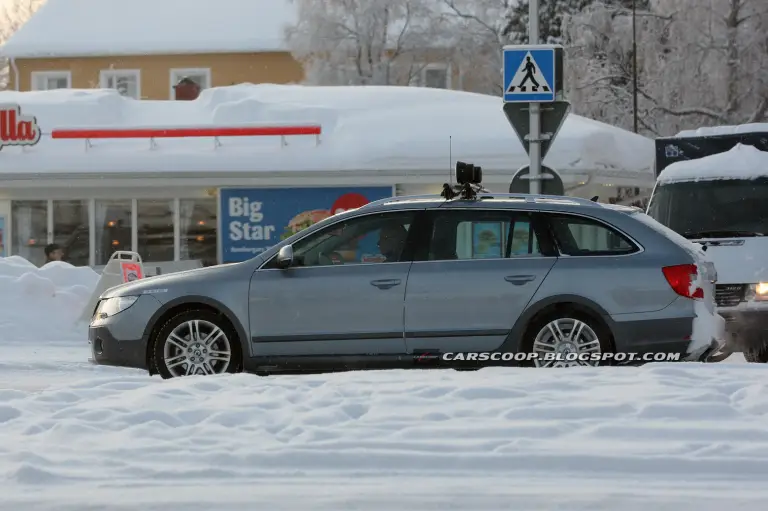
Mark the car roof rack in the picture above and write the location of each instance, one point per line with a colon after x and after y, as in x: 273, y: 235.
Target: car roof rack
x: 488, y: 196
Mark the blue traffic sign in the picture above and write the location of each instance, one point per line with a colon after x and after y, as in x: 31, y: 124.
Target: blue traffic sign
x: 529, y: 74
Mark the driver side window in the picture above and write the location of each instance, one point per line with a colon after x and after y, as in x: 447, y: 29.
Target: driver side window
x: 370, y: 239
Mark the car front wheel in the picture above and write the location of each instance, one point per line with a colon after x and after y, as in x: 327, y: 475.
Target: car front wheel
x: 196, y: 342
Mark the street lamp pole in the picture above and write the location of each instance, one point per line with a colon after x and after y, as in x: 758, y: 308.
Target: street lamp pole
x: 634, y: 64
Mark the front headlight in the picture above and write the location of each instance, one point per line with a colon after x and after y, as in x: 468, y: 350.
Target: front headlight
x: 112, y: 306
x: 757, y: 292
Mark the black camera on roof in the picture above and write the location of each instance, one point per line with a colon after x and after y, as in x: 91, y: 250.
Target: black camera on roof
x: 468, y: 174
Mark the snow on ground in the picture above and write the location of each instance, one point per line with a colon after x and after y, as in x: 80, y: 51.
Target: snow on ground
x: 369, y: 130
x: 40, y: 304
x: 74, y: 436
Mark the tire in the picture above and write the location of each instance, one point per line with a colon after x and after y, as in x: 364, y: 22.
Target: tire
x: 595, y: 334
x: 171, y: 361
x: 757, y: 355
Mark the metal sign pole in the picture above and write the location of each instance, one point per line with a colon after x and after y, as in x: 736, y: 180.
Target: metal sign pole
x: 535, y: 108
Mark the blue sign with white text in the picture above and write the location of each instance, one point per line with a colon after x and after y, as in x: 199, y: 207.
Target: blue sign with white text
x: 255, y: 219
x: 529, y: 74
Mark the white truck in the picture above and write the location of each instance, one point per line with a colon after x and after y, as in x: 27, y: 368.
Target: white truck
x: 712, y: 188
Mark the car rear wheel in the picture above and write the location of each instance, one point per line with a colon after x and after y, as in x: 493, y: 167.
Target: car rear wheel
x: 196, y: 342
x: 567, y: 339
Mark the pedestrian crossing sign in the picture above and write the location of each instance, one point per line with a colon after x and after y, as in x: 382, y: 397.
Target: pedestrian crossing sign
x: 529, y: 74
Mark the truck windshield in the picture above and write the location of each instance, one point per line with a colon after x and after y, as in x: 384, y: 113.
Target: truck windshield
x: 712, y: 209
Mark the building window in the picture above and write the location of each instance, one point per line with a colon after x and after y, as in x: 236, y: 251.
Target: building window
x: 435, y: 76
x: 113, y: 228
x: 50, y: 80
x: 201, y: 76
x: 70, y: 230
x: 197, y: 218
x: 155, y: 230
x: 29, y: 226
x: 125, y: 81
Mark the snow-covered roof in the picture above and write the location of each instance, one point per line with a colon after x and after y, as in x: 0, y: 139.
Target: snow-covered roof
x: 710, y: 131
x: 403, y: 129
x: 69, y: 28
x: 741, y: 162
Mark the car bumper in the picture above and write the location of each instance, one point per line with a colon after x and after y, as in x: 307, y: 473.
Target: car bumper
x: 107, y: 350
x: 121, y: 340
x: 683, y: 328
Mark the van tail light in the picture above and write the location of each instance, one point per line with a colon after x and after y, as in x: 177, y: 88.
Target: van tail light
x: 683, y: 279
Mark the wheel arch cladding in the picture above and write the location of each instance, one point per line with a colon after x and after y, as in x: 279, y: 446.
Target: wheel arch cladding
x: 175, y: 307
x: 550, y: 305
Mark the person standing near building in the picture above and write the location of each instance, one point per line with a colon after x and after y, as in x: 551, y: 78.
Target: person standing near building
x: 53, y: 252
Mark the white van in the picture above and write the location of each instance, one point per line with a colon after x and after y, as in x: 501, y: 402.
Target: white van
x: 721, y: 202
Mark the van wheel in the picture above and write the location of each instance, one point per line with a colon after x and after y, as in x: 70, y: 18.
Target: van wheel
x: 196, y: 342
x: 757, y: 355
x: 577, y: 339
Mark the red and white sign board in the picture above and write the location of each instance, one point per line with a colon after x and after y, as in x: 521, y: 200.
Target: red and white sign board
x: 131, y: 272
x: 17, y: 129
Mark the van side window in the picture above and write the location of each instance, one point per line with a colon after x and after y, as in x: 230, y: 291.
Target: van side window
x: 579, y: 236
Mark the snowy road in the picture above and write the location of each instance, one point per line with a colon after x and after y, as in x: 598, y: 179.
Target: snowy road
x: 665, y: 436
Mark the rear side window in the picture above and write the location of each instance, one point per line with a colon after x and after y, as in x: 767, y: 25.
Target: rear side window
x: 579, y: 236
x: 478, y: 234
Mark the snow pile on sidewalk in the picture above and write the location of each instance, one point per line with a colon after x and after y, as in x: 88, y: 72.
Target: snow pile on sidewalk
x: 42, y: 304
x: 663, y: 436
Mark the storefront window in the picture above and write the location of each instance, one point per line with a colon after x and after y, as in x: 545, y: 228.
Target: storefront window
x: 29, y: 223
x: 198, y: 230
x: 70, y: 230
x: 155, y: 230
x: 113, y: 228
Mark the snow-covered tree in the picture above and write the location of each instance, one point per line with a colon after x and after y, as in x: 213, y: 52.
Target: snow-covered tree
x: 13, y: 14
x: 477, y: 29
x: 698, y: 63
x: 365, y: 42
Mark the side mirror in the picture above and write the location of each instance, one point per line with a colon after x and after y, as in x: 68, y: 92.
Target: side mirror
x: 285, y: 257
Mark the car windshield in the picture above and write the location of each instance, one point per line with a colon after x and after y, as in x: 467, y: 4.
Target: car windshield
x: 709, y: 209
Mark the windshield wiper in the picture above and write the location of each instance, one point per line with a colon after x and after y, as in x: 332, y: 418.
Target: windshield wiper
x: 722, y: 234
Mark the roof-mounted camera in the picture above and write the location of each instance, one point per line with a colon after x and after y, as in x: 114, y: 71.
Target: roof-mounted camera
x: 469, y: 178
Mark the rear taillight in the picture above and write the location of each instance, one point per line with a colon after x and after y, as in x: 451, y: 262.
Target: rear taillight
x: 683, y: 279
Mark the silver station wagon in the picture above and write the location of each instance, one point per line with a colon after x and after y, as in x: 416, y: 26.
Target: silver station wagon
x: 467, y: 271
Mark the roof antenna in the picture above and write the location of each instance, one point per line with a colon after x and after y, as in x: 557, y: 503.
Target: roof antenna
x: 595, y: 198
x: 450, y: 160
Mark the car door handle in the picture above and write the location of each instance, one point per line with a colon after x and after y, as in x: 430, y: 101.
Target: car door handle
x: 519, y: 280
x: 385, y: 283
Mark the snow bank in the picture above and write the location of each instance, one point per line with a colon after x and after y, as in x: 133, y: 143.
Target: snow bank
x: 42, y: 304
x: 120, y: 28
x: 741, y: 162
x: 374, y: 129
x: 679, y: 436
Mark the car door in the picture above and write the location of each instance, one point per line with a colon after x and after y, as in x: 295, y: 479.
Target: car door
x: 479, y: 273
x: 342, y: 297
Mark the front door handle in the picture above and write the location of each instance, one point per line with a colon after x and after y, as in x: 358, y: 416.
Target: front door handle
x: 519, y: 280
x: 385, y: 283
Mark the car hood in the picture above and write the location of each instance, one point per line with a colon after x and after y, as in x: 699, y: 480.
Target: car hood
x: 160, y: 284
x: 738, y: 260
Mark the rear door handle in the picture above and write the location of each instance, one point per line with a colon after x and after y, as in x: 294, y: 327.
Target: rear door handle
x: 385, y: 283
x: 519, y: 280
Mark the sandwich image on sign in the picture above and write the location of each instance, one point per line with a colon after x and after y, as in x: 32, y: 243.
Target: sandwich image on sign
x: 303, y: 220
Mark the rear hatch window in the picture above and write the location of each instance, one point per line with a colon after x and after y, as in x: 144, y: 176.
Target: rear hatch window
x: 694, y: 249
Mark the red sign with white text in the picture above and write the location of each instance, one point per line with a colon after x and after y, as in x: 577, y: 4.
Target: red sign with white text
x: 17, y: 129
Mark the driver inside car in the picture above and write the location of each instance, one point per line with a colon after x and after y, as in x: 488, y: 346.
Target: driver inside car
x: 391, y: 241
